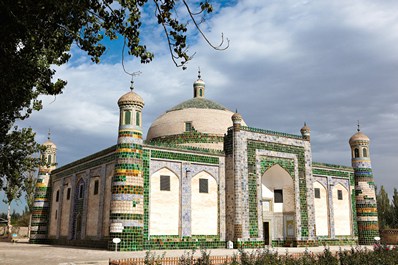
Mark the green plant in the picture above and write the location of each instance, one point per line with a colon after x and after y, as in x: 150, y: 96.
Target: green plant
x: 152, y: 259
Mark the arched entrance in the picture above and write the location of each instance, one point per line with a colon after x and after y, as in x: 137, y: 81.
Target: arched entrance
x: 278, y: 205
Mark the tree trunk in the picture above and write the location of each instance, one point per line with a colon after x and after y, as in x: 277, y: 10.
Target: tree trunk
x: 30, y: 224
x: 9, y: 220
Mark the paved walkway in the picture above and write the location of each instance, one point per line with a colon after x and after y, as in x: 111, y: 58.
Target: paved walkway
x: 29, y: 254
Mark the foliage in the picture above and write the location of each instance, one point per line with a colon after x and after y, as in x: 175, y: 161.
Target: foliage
x: 18, y: 219
x: 395, y: 208
x: 40, y: 34
x: 16, y: 156
x: 386, y: 211
x: 152, y: 259
x: 204, y: 258
x: 30, y: 186
x: 259, y: 256
x: 187, y: 258
x: 16, y: 159
x: 356, y: 256
x: 381, y: 255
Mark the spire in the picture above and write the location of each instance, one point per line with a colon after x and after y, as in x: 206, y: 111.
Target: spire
x: 199, y: 76
x: 132, y: 84
x: 358, y: 127
x: 49, y: 134
x: 132, y: 79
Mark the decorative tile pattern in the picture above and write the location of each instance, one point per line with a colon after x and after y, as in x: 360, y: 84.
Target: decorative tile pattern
x: 265, y: 160
x: 365, y: 196
x: 127, y: 213
x: 41, y: 208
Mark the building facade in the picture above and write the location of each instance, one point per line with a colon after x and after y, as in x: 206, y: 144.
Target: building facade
x: 201, y: 178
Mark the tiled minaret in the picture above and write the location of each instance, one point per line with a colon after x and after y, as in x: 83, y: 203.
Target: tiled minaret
x: 365, y: 193
x: 41, y: 205
x: 127, y: 206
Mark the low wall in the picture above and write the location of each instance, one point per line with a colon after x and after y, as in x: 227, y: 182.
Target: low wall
x: 21, y: 231
x: 389, y: 236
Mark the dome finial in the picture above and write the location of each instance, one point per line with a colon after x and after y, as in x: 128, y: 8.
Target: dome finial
x: 358, y: 127
x: 49, y: 134
x: 132, y: 79
x: 199, y: 76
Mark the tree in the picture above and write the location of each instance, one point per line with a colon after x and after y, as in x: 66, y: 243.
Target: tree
x: 384, y: 209
x: 30, y: 186
x: 395, y: 208
x: 16, y: 159
x: 40, y: 34
x: 13, y: 191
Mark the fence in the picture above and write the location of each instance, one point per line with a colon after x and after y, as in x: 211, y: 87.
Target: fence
x: 389, y: 236
x: 215, y: 260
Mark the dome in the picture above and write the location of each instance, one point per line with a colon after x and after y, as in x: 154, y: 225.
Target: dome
x: 197, y: 122
x: 199, y: 82
x: 236, y: 117
x: 204, y: 115
x: 305, y: 129
x: 130, y: 98
x: 193, y: 122
x: 49, y: 143
x: 359, y: 136
x: 198, y: 103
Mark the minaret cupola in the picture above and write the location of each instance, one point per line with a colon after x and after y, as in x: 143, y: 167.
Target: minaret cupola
x: 199, y: 87
x: 306, y: 132
x: 49, y: 155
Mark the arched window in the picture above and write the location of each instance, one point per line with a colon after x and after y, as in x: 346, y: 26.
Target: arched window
x: 127, y: 117
x: 356, y: 152
x: 137, y: 118
x: 365, y: 152
x: 49, y: 159
x: 200, y: 92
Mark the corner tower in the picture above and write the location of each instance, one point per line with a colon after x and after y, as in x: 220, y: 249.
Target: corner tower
x: 127, y: 205
x: 365, y: 194
x: 306, y: 132
x: 41, y: 205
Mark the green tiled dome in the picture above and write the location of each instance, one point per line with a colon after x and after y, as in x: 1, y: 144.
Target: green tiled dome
x: 198, y: 103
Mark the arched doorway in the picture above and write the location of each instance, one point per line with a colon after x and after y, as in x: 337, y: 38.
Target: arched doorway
x: 278, y: 205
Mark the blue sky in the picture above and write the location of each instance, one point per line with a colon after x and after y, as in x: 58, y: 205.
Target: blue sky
x: 327, y: 63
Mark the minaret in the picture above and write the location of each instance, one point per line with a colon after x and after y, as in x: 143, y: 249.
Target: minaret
x: 127, y: 205
x: 306, y: 132
x: 199, y: 87
x: 365, y: 193
x: 240, y: 180
x: 41, y: 205
x: 236, y: 120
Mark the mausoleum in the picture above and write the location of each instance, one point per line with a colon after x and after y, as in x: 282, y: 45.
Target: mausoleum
x: 201, y: 178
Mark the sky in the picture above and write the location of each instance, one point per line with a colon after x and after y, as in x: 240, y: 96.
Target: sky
x: 326, y: 63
